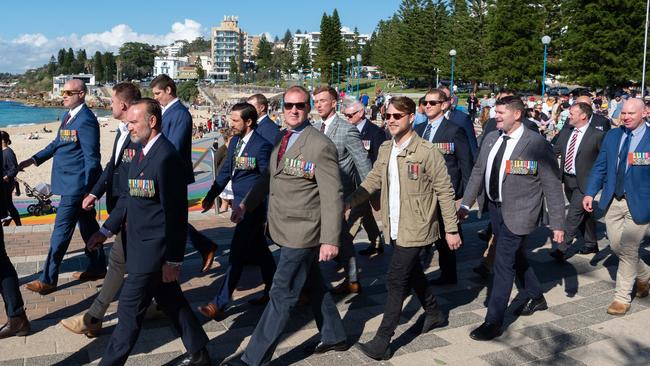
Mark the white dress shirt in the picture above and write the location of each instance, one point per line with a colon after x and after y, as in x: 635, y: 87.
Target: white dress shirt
x: 512, y: 142
x: 434, y: 127
x: 123, y: 130
x: 165, y: 108
x: 394, y: 188
x: 361, y: 124
x: 261, y: 118
x: 328, y: 122
x: 74, y: 111
x: 244, y: 141
x: 581, y: 133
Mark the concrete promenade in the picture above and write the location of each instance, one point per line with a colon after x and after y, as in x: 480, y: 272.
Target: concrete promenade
x: 575, y: 330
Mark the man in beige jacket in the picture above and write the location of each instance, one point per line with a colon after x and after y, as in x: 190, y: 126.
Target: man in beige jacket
x: 413, y: 179
x: 304, y: 218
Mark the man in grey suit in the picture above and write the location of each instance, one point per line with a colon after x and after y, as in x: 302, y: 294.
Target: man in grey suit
x: 519, y: 171
x: 304, y: 218
x: 354, y: 166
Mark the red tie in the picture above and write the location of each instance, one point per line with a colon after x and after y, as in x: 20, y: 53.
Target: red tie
x: 283, y: 144
x: 66, y: 119
x: 568, y: 163
x: 141, y: 157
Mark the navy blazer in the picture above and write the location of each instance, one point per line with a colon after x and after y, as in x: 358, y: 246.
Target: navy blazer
x: 460, y: 163
x: 465, y: 122
x: 242, y: 180
x: 157, y: 226
x: 603, y: 176
x: 10, y: 165
x: 269, y: 130
x: 114, y: 178
x: 375, y: 136
x: 177, y: 127
x: 77, y: 164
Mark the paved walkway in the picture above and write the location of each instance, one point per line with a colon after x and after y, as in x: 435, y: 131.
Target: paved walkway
x: 574, y: 331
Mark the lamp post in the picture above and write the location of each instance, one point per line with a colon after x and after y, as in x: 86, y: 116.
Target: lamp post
x: 320, y: 77
x: 332, y: 75
x: 312, y: 78
x: 358, y: 73
x: 278, y: 77
x: 300, y: 76
x: 347, y: 75
x: 452, y: 53
x: 338, y: 75
x: 545, y: 40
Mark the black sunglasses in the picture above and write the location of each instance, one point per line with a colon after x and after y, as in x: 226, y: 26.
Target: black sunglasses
x: 432, y: 103
x: 396, y: 116
x: 351, y: 114
x: 300, y: 106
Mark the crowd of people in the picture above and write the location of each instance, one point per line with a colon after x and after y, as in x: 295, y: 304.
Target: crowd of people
x: 309, y: 188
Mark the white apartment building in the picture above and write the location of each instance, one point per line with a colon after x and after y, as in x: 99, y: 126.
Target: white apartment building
x: 59, y: 81
x: 227, y: 44
x: 313, y: 39
x: 168, y: 65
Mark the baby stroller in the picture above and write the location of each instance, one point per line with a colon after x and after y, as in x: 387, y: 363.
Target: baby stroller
x: 42, y: 192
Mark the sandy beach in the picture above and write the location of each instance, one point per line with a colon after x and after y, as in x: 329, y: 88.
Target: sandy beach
x: 25, y: 148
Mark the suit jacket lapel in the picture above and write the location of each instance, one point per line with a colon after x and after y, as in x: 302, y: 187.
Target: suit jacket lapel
x: 644, y: 144
x: 440, y: 131
x: 331, y: 131
x: 293, y: 151
x: 521, y: 145
x: 585, y: 139
x: 143, y: 164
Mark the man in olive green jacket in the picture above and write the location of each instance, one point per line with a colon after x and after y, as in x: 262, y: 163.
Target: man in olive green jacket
x: 413, y: 179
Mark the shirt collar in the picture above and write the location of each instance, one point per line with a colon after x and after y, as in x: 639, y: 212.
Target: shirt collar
x: 73, y: 112
x: 639, y: 130
x: 583, y: 128
x: 123, y: 127
x: 437, y: 121
x: 247, y: 137
x: 518, y: 133
x: 328, y: 121
x: 146, y: 149
x: 403, y: 145
x: 361, y: 124
x: 261, y: 118
x: 165, y: 108
x: 300, y: 127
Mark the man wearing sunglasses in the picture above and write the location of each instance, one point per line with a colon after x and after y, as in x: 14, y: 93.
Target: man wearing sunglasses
x: 415, y: 187
x: 354, y: 165
x: 76, y: 168
x: 451, y: 140
x: 304, y: 218
x: 372, y: 136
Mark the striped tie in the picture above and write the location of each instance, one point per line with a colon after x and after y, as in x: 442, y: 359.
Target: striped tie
x: 568, y: 163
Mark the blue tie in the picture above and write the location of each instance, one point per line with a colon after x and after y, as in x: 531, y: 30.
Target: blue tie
x: 427, y: 132
x: 619, y: 191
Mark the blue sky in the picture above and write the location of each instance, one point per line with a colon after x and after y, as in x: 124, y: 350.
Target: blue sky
x: 32, y: 30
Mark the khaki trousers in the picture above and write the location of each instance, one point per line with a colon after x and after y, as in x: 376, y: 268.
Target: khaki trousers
x: 625, y: 238
x: 112, y: 282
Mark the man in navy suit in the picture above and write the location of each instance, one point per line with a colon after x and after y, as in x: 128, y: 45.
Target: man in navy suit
x: 265, y: 125
x: 451, y: 140
x: 177, y: 127
x: 372, y: 137
x: 463, y: 120
x: 113, y: 182
x: 622, y: 172
x: 76, y: 168
x: 248, y: 157
x: 155, y: 221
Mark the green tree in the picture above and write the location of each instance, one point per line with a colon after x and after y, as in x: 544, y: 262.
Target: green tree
x: 137, y: 60
x: 68, y: 59
x: 200, y: 72
x: 367, y: 50
x: 287, y: 37
x: 331, y: 47
x: 605, y: 42
x: 187, y: 91
x: 199, y: 44
x: 304, y: 58
x: 234, y: 71
x: 514, y: 32
x: 99, y: 67
x: 61, y: 59
x: 51, y: 66
x: 264, y: 53
x: 110, y: 67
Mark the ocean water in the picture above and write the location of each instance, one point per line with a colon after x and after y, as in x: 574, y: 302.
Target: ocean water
x: 18, y: 114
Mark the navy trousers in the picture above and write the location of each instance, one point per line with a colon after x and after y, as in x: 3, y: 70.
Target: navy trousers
x: 510, y: 261
x: 200, y: 242
x: 9, y: 290
x: 67, y: 216
x: 297, y: 268
x: 137, y: 292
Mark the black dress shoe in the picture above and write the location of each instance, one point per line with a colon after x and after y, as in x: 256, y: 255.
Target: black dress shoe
x: 558, y: 255
x: 442, y: 281
x: 588, y: 250
x: 487, y: 331
x: 338, y: 347
x: 199, y: 358
x: 377, y: 349
x: 533, y: 305
x: 433, y: 320
x: 372, y: 250
x: 482, y: 271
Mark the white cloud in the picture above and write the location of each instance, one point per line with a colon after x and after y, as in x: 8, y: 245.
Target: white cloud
x: 33, y: 50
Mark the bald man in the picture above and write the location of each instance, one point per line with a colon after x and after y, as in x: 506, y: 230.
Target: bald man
x: 599, y: 121
x: 621, y: 171
x: 75, y: 169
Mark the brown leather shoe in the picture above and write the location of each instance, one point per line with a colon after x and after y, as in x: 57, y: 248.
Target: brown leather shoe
x: 208, y: 259
x: 82, y: 324
x: 88, y: 276
x: 40, y: 287
x: 618, y: 308
x: 262, y: 300
x: 212, y: 311
x: 346, y: 287
x: 17, y: 326
x: 642, y: 288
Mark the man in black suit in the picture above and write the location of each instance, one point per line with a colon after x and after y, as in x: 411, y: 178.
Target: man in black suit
x: 599, y: 121
x: 451, y: 140
x: 155, y: 236
x: 372, y: 137
x: 463, y: 120
x: 578, y: 147
x: 17, y: 323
